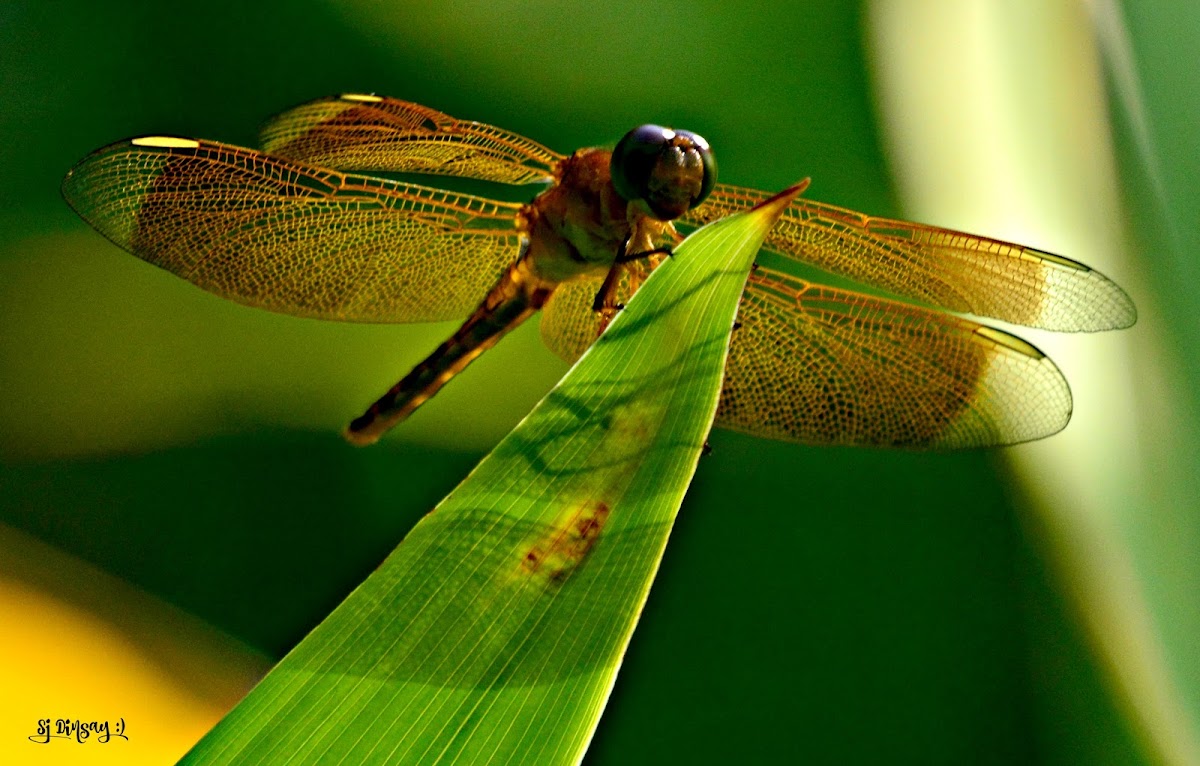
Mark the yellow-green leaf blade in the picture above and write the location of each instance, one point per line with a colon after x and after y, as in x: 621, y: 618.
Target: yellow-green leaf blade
x: 494, y: 632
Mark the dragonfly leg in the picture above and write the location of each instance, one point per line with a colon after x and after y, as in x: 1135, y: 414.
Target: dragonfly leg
x: 606, y: 304
x: 624, y: 257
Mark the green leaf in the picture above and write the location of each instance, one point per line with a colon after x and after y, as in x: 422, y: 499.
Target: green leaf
x: 494, y: 632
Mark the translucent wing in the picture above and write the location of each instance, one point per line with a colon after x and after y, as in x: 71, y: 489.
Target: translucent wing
x: 825, y: 366
x: 941, y: 267
x: 294, y: 238
x: 818, y: 365
x: 570, y: 323
x: 362, y: 132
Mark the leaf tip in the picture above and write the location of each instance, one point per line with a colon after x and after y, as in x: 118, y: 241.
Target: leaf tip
x: 774, y: 206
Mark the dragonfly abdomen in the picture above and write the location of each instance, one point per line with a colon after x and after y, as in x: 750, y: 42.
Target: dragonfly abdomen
x: 515, y: 298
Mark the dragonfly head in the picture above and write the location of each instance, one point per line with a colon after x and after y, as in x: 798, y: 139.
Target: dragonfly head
x: 672, y: 171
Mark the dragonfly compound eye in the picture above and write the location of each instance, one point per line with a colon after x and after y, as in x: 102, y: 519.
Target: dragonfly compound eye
x: 671, y: 170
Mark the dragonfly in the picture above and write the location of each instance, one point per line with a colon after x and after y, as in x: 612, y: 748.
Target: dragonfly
x: 301, y: 227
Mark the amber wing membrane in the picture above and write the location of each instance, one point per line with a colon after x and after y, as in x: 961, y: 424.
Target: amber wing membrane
x: 819, y: 365
x: 826, y: 366
x: 294, y: 238
x: 365, y: 132
x: 949, y: 269
x: 569, y: 324
x: 569, y: 321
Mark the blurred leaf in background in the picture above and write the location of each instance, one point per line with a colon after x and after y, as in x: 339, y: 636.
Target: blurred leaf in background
x: 817, y: 604
x: 1114, y: 500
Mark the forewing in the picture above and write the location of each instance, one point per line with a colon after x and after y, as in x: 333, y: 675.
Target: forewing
x: 294, y: 238
x: 941, y: 267
x: 365, y: 132
x: 819, y: 365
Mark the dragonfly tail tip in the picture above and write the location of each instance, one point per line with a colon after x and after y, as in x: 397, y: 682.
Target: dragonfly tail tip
x: 359, y: 438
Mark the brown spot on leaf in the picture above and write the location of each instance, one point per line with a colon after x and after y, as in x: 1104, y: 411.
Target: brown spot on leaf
x: 556, y: 554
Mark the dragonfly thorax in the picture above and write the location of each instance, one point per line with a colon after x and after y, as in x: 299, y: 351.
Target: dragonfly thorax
x: 577, y: 227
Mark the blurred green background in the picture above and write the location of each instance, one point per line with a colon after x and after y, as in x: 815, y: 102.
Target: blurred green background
x: 821, y: 605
